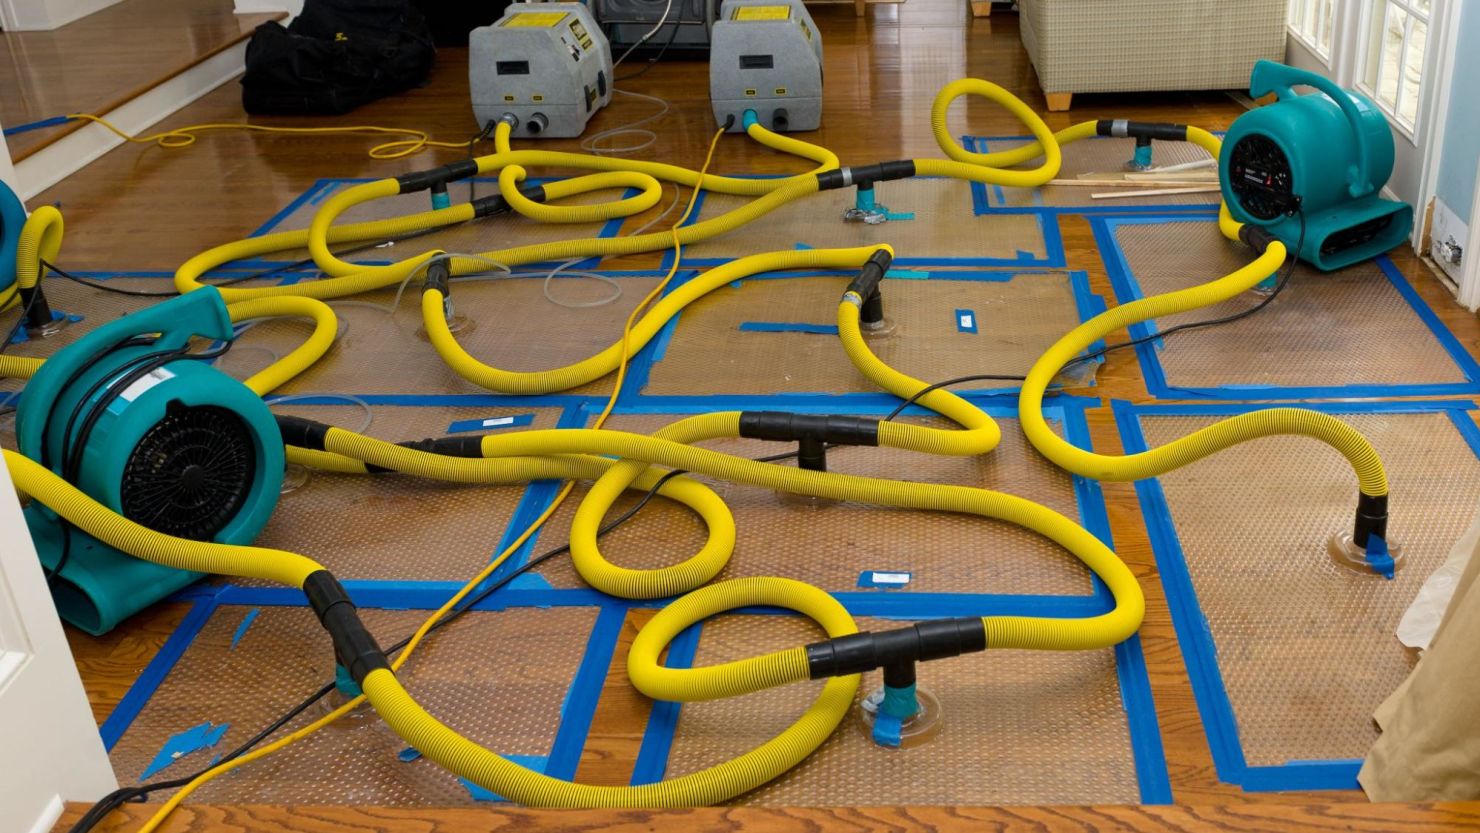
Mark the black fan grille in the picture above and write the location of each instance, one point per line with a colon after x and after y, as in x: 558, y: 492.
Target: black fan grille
x: 1259, y: 174
x: 191, y: 473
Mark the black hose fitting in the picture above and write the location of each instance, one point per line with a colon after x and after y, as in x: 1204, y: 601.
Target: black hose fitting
x: 865, y: 175
x: 871, y: 274
x: 1121, y: 128
x: 302, y: 433
x: 451, y: 172
x: 1255, y: 237
x: 872, y: 311
x: 1372, y: 517
x: 495, y: 204
x: 38, y: 311
x: 438, y: 277
x: 860, y: 652
x: 823, y: 428
x: 354, y: 647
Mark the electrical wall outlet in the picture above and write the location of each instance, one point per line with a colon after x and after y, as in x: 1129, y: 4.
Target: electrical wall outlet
x: 1447, y: 238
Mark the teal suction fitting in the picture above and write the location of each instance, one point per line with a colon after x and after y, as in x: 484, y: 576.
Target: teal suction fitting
x: 169, y: 443
x: 1326, y: 156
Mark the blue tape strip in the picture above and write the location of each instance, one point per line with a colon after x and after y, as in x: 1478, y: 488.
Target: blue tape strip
x: 37, y: 125
x: 1152, y: 776
x: 194, y: 739
x: 657, y: 739
x: 887, y: 579
x: 966, y: 321
x: 154, y: 673
x: 241, y: 630
x: 490, y: 423
x: 584, y: 692
x: 787, y: 327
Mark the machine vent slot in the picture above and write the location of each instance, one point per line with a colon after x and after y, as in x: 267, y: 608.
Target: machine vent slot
x: 757, y: 62
x: 512, y: 67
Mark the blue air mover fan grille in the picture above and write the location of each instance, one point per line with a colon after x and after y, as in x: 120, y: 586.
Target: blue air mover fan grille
x: 1259, y: 173
x: 191, y: 473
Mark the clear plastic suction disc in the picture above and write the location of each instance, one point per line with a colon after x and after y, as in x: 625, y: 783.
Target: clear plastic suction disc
x: 916, y: 730
x: 878, y: 329
x: 457, y: 324
x: 1344, y: 551
x: 295, y: 477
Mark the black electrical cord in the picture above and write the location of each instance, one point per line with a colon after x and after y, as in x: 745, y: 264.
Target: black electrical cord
x: 21, y: 322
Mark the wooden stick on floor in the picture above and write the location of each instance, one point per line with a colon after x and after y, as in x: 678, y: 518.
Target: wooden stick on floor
x: 1154, y: 192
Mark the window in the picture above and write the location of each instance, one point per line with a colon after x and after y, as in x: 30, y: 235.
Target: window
x: 1311, y: 21
x: 1392, y: 69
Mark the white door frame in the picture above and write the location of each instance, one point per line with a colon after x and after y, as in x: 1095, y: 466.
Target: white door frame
x: 52, y: 751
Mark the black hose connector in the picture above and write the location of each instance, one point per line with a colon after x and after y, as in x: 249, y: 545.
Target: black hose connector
x: 451, y: 172
x: 38, y: 311
x: 872, y: 311
x: 495, y: 204
x: 354, y: 647
x: 866, y: 284
x: 1372, y: 518
x: 1123, y: 128
x: 922, y: 641
x: 1255, y: 237
x: 833, y: 429
x: 865, y: 175
x: 438, y: 277
x: 302, y: 433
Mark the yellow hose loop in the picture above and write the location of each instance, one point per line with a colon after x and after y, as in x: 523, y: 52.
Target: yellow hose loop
x: 599, y: 365
x: 1199, y: 444
x: 981, y: 434
x: 188, y: 276
x: 652, y: 191
x: 40, y: 239
x: 1205, y: 140
x: 324, y: 461
x: 318, y: 235
x: 102, y: 523
x: 1044, y: 138
x: 18, y: 367
x: 709, y: 786
x: 826, y: 160
x: 280, y: 372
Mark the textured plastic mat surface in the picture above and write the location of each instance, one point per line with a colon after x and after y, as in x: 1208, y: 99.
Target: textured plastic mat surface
x: 1020, y: 728
x: 831, y: 544
x: 944, y: 228
x: 1097, y: 156
x: 503, y: 231
x: 392, y: 526
x: 1351, y: 327
x: 504, y: 692
x: 513, y: 327
x: 1013, y: 322
x: 1306, y: 647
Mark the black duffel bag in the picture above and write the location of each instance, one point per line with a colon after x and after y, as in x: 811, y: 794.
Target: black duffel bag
x: 335, y: 56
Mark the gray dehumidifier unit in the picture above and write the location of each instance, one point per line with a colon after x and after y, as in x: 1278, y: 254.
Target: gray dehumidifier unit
x: 545, y: 66
x: 767, y: 58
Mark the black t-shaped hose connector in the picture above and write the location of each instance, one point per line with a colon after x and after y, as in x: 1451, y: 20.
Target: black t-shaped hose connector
x: 920, y: 642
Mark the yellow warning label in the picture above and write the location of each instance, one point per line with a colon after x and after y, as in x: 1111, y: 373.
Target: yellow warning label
x: 535, y: 20
x: 762, y: 13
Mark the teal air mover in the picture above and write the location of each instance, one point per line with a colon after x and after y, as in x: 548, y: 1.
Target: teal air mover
x: 12, y: 218
x: 166, y: 441
x: 1321, y: 158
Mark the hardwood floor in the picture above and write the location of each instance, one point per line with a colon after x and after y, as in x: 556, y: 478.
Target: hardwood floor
x: 94, y: 64
x: 150, y: 208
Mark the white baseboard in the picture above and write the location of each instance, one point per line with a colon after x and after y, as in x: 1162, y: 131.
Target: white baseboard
x: 49, y: 815
x: 45, y: 15
x: 69, y: 154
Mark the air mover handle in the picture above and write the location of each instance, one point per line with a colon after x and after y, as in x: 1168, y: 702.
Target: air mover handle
x: 198, y: 313
x: 1271, y: 77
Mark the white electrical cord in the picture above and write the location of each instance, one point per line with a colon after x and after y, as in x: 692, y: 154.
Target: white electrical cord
x: 591, y: 144
x: 668, y: 9
x: 364, y: 406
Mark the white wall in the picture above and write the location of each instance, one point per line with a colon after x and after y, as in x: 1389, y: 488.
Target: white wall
x: 7, y: 170
x: 51, y: 751
x: 20, y: 15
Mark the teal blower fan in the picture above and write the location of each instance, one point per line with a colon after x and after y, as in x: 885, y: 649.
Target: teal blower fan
x: 1324, y: 156
x: 153, y: 432
x: 12, y: 219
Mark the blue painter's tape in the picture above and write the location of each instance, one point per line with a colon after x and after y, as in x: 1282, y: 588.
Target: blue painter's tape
x: 1379, y: 559
x: 241, y: 630
x: 490, y: 423
x: 966, y: 320
x: 887, y: 730
x: 887, y: 579
x: 657, y: 740
x: 907, y: 275
x: 202, y: 736
x: 579, y: 709
x: 787, y: 327
x: 1152, y: 776
x: 532, y: 762
x: 408, y: 755
x: 803, y: 247
x: 158, y: 668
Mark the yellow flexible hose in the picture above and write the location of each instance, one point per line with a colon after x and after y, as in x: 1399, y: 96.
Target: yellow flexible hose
x: 40, y: 239
x: 18, y: 367
x: 1201, y: 443
x: 652, y: 191
x: 302, y: 357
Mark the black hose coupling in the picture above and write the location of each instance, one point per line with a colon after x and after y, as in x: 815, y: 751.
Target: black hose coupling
x: 1141, y: 130
x: 438, y: 277
x: 302, y: 433
x: 812, y: 433
x: 38, y: 311
x: 1255, y: 237
x: 866, y: 283
x: 423, y: 180
x: 354, y: 647
x: 865, y: 175
x: 1372, y: 518
x: 896, y: 651
x: 495, y: 204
